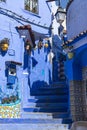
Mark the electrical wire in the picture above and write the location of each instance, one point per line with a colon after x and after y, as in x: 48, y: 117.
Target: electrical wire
x: 19, y: 18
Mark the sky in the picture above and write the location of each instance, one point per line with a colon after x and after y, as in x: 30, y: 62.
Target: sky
x: 63, y: 3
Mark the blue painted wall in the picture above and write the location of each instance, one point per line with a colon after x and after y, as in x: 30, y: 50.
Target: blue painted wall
x: 16, y: 44
x: 41, y: 18
x: 41, y: 69
x: 76, y: 17
x: 75, y: 65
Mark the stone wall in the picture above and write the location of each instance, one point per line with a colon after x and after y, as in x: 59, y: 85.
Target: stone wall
x: 84, y: 76
x: 78, y: 100
x: 84, y: 73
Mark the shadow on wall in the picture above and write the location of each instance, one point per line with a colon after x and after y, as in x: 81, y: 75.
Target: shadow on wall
x: 55, y: 70
x: 57, y: 42
x: 48, y: 100
x: 34, y: 62
x: 3, y: 53
x: 37, y: 86
x: 79, y: 62
x: 25, y: 60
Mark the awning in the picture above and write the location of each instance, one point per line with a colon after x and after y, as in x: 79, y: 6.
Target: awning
x: 13, y: 62
x: 28, y: 33
x: 38, y: 35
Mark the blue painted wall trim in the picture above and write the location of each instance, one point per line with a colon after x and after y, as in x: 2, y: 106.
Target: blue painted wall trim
x: 75, y: 65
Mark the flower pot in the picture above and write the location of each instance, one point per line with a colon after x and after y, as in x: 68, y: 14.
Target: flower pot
x: 70, y: 55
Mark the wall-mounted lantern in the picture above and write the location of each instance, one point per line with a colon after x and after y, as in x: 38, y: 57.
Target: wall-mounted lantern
x: 46, y: 45
x: 4, y: 44
x: 40, y: 43
x: 60, y: 14
x: 70, y: 55
x: 28, y: 46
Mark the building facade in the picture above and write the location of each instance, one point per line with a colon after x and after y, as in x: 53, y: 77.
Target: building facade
x: 24, y: 24
x: 76, y: 63
x: 30, y: 89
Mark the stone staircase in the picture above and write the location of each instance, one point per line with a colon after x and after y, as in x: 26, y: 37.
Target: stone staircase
x: 49, y: 104
x: 31, y: 124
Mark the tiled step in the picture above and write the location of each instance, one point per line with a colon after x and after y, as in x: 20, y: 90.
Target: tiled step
x: 41, y: 115
x: 45, y: 109
x: 48, y: 98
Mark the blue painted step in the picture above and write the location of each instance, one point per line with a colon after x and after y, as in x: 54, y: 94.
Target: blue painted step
x: 29, y: 121
x: 52, y: 87
x: 48, y: 92
x: 58, y: 84
x: 33, y: 124
x: 49, y: 99
x: 41, y: 115
x: 46, y: 109
x: 67, y: 121
x: 54, y: 97
x: 46, y: 105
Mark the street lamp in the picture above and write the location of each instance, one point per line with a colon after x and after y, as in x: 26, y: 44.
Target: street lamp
x: 70, y: 55
x: 60, y: 14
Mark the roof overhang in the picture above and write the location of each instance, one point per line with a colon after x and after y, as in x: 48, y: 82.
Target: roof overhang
x: 28, y: 34
x: 39, y: 35
x: 13, y: 62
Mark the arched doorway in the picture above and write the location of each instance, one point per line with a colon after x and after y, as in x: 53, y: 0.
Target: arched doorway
x: 78, y: 85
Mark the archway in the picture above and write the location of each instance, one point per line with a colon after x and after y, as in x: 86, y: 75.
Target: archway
x: 79, y: 63
x: 78, y: 84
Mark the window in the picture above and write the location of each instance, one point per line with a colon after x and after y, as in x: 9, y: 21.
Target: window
x: 2, y: 0
x: 31, y: 5
x: 12, y: 72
